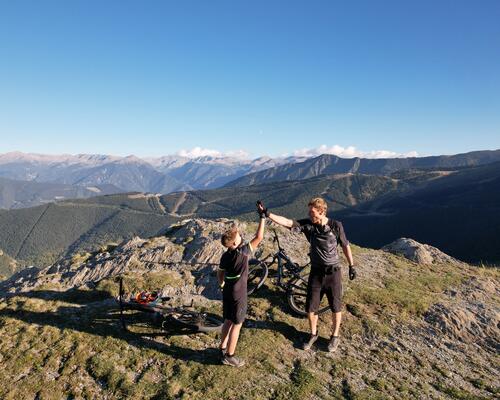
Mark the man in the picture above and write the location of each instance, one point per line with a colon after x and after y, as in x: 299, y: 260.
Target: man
x: 233, y: 276
x: 324, y: 235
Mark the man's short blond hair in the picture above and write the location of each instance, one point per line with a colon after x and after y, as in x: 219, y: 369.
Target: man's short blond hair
x: 229, y: 236
x: 319, y: 204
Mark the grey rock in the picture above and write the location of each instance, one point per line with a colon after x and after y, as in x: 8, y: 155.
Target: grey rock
x: 418, y: 252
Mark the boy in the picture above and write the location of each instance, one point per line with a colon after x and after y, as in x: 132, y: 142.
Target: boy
x: 232, y: 276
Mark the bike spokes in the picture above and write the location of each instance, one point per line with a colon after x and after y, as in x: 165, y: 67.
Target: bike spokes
x: 297, y: 295
x: 257, y: 274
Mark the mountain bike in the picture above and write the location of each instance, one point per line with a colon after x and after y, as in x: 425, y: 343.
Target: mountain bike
x: 165, y: 316
x: 289, y: 276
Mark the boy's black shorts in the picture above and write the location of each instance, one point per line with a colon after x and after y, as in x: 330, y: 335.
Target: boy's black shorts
x: 321, y: 283
x: 234, y: 302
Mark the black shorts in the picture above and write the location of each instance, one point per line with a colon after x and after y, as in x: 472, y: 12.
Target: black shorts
x: 320, y: 283
x: 234, y: 302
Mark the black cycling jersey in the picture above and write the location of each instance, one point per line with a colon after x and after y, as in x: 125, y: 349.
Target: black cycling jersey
x: 323, y: 239
x: 234, y: 262
x: 234, y: 295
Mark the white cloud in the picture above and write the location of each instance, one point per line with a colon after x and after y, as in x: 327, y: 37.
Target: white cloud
x: 200, y: 152
x: 350, y: 152
x: 344, y: 152
x: 240, y: 154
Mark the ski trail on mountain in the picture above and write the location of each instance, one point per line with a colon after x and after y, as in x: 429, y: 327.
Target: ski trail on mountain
x: 178, y: 203
x: 31, y: 231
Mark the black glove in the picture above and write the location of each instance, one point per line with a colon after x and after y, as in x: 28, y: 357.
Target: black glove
x: 262, y: 210
x: 352, y: 272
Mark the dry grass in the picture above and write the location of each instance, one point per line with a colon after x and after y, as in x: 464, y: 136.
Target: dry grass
x: 71, y: 345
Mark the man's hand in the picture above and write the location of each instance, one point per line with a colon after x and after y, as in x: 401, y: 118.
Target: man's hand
x: 262, y: 210
x: 352, y: 272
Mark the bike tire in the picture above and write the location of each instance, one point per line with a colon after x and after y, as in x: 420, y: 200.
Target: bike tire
x: 197, y: 322
x: 257, y: 274
x: 296, y: 295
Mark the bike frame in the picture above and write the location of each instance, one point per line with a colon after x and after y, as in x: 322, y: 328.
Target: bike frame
x: 283, y: 262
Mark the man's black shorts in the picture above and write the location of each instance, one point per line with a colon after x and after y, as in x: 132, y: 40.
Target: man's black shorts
x: 321, y: 283
x: 234, y: 302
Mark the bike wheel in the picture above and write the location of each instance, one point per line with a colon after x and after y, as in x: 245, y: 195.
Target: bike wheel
x: 197, y: 322
x: 297, y: 293
x: 210, y: 324
x: 257, y: 274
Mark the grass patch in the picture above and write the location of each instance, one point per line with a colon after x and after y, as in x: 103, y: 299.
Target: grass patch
x: 80, y: 258
x: 134, y: 283
x: 482, y: 385
x: 456, y: 393
x: 407, y: 291
x: 303, y: 385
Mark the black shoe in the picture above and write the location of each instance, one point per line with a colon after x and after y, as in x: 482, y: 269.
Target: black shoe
x: 307, y: 345
x: 333, y: 343
x: 232, y: 361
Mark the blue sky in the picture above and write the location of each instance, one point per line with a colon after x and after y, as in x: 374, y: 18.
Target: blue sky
x: 265, y: 77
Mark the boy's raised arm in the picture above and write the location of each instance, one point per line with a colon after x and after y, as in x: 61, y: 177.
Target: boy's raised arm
x: 259, y: 235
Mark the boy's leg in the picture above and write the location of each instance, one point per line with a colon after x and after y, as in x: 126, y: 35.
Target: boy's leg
x: 226, y: 328
x: 233, y: 336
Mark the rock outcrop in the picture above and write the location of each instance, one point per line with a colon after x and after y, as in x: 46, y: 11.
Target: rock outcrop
x: 418, y: 252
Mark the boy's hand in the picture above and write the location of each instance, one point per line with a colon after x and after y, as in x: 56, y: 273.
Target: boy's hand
x: 262, y: 210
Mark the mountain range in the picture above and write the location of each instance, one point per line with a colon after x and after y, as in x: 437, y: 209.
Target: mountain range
x: 155, y: 175
x: 331, y: 164
x: 455, y: 208
x: 176, y: 173
x: 42, y: 234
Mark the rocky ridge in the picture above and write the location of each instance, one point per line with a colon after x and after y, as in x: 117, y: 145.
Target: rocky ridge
x: 447, y: 349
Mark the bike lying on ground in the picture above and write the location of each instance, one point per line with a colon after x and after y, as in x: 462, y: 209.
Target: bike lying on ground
x: 290, y: 277
x: 166, y: 316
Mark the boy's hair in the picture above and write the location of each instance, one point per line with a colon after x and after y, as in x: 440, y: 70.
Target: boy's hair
x: 319, y: 204
x: 229, y: 236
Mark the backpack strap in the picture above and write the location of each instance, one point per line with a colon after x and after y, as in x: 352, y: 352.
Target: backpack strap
x: 335, y: 228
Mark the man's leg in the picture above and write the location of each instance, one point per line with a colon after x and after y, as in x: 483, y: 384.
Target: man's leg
x: 335, y: 299
x: 336, y: 319
x: 313, y: 300
x: 313, y: 322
